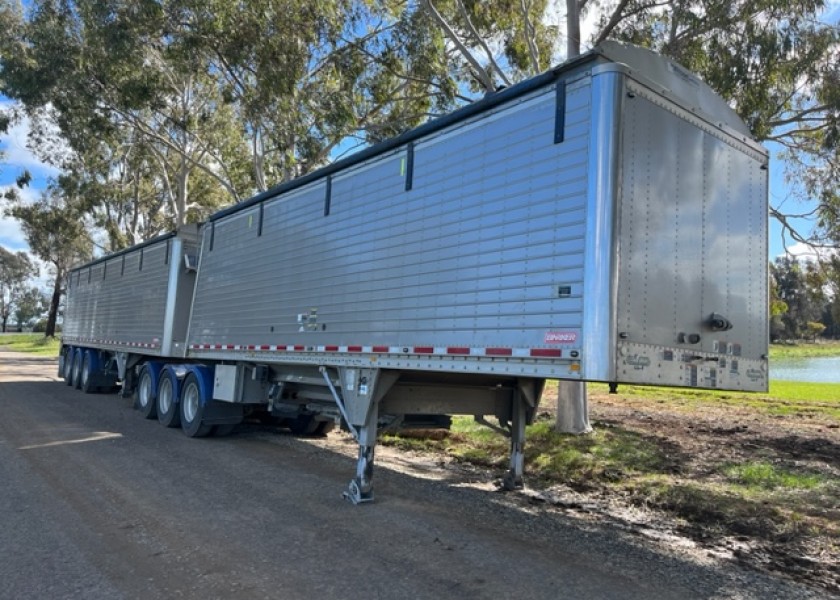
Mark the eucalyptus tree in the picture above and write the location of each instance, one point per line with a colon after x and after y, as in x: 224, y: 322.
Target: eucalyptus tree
x: 31, y: 305
x: 16, y: 269
x: 305, y: 79
x: 108, y: 75
x: 57, y: 234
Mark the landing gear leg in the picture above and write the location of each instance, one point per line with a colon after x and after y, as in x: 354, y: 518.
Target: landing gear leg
x: 513, y: 480
x: 360, y: 489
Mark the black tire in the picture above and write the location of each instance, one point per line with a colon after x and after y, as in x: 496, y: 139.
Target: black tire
x: 77, y: 368
x: 62, y: 358
x: 324, y: 427
x: 87, y: 375
x: 303, y: 425
x: 145, y: 396
x: 166, y: 405
x: 192, y: 407
x: 223, y: 430
x: 68, y: 366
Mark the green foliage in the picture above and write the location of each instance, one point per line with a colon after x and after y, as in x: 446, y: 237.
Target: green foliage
x: 30, y: 305
x: 172, y: 109
x: 15, y: 270
x: 800, y: 286
x: 804, y: 350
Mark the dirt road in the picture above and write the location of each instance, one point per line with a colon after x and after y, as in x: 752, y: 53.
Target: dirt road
x: 96, y: 502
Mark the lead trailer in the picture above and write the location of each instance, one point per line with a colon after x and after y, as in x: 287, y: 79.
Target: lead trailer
x: 605, y: 221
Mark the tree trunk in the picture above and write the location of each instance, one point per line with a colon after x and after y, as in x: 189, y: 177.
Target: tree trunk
x: 56, y: 299
x: 572, y: 407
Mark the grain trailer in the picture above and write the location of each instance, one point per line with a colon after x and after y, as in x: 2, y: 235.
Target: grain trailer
x: 604, y: 221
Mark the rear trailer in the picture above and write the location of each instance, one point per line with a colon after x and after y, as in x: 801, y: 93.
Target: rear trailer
x: 127, y: 307
x: 605, y: 221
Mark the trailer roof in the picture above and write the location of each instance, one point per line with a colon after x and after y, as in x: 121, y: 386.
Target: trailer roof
x: 644, y: 64
x: 150, y: 242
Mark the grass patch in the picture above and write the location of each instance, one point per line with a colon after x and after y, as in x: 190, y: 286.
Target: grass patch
x: 787, y: 398
x: 606, y: 455
x: 33, y: 343
x: 804, y: 391
x: 804, y: 350
x: 766, y: 476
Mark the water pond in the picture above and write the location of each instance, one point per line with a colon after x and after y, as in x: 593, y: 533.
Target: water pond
x: 821, y: 369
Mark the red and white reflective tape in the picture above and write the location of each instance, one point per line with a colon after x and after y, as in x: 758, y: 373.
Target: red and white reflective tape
x: 402, y: 350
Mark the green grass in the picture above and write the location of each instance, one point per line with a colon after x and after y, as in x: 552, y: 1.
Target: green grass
x: 33, y: 343
x: 765, y: 476
x: 804, y: 391
x: 792, y: 398
x: 804, y: 350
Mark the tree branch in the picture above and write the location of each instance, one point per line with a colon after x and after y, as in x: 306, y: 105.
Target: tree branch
x: 615, y: 19
x: 530, y: 36
x: 478, y: 70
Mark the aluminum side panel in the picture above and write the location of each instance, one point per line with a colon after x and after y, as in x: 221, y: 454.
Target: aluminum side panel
x: 473, y: 255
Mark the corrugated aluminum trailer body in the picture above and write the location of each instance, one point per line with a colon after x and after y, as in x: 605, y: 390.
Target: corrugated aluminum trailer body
x: 585, y: 227
x: 138, y: 298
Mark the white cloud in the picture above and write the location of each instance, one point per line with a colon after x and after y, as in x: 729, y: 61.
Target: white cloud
x: 11, y: 235
x: 805, y: 252
x: 17, y: 155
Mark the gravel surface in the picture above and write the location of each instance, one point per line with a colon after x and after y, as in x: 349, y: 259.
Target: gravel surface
x: 97, y: 502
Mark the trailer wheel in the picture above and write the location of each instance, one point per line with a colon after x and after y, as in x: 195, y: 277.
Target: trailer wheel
x: 303, y: 425
x: 144, y: 394
x: 87, y: 374
x: 223, y: 430
x: 68, y: 366
x: 77, y: 368
x: 167, y: 408
x: 192, y: 409
x: 324, y: 427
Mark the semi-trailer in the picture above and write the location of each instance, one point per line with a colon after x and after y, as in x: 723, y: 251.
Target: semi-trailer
x: 604, y: 221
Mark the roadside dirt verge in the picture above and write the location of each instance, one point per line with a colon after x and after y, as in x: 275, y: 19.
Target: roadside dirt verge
x: 723, y: 482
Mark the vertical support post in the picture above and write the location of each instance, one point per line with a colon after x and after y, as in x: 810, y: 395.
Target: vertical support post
x: 572, y: 408
x: 361, y: 487
x: 513, y: 480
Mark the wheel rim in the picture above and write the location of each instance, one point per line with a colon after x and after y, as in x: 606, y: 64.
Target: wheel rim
x: 165, y: 396
x: 190, y: 402
x: 145, y: 391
